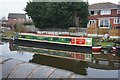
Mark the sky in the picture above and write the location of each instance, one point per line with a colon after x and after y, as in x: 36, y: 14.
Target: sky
x: 17, y: 6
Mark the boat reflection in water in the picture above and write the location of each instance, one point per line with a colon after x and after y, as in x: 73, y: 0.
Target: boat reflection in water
x: 59, y: 54
x: 72, y: 61
x: 76, y: 62
x: 79, y: 67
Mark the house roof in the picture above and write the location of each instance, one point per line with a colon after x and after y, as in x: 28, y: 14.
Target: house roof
x: 3, y: 20
x: 16, y: 16
x: 101, y: 6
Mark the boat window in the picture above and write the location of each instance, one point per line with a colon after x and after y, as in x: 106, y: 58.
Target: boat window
x: 35, y: 37
x: 61, y: 40
x: 64, y: 40
x: 29, y: 37
x: 50, y: 38
x: 55, y: 39
x: 46, y: 38
x: 67, y: 40
x: 40, y: 38
x: 21, y: 36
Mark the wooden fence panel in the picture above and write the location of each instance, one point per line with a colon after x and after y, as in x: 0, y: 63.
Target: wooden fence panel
x: 115, y: 32
x: 102, y: 31
x: 92, y: 30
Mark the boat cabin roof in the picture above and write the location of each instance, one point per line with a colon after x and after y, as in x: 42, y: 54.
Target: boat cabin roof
x: 52, y: 35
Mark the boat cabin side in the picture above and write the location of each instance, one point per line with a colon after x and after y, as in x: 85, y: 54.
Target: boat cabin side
x: 79, y: 41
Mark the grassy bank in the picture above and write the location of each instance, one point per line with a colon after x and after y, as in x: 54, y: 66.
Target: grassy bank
x: 9, y: 34
x: 104, y: 44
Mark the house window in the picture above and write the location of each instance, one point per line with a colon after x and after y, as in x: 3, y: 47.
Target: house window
x: 116, y: 21
x: 92, y: 21
x: 118, y: 11
x: 93, y: 12
x: 14, y: 19
x: 104, y: 23
x: 105, y: 12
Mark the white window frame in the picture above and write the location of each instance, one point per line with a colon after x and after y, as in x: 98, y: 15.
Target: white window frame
x: 92, y: 21
x: 105, y: 12
x: 118, y: 11
x: 116, y: 21
x: 14, y: 19
x: 95, y: 12
x: 104, y: 23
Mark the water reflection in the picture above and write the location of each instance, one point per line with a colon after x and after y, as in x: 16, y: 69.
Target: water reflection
x: 105, y: 61
x: 101, y: 60
x: 12, y: 51
x: 12, y: 46
x: 62, y: 63
x: 56, y: 53
x: 80, y: 63
x: 1, y: 44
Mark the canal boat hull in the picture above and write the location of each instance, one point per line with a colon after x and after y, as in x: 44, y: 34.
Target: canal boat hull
x: 55, y: 46
x: 96, y: 48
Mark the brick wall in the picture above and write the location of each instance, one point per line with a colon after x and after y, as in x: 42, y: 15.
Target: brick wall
x: 111, y: 17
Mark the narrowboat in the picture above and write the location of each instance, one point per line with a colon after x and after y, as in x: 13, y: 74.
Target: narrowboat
x: 49, y: 41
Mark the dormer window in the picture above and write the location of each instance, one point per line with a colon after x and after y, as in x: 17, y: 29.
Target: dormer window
x: 93, y: 12
x: 105, y: 12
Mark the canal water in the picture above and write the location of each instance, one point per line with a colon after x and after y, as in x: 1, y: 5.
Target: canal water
x: 92, y: 65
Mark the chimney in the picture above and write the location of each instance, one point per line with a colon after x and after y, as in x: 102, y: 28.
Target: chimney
x: 119, y: 3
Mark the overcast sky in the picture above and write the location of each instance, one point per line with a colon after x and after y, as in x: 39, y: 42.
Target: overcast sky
x: 17, y: 6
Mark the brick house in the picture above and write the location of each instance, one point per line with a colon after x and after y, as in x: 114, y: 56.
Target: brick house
x: 14, y: 18
x: 103, y: 18
x: 4, y: 23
